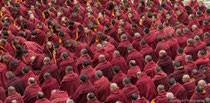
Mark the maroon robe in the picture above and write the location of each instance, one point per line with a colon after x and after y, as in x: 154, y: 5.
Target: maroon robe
x: 203, y: 60
x: 147, y: 50
x: 28, y: 75
x: 70, y: 79
x: 30, y: 45
x: 178, y: 74
x: 161, y: 97
x: 80, y: 60
x: 102, y: 88
x: 3, y: 94
x: 30, y: 94
x: 120, y: 61
x: 128, y: 90
x: 190, y: 88
x: 189, y: 66
x: 138, y: 57
x: 7, y: 48
x: 132, y: 74
x: 198, y: 76
x: 141, y: 100
x: 179, y: 92
x: 166, y: 64
x: 149, y: 68
x: 173, y: 45
x: 146, y: 87
x: 200, y: 45
x: 122, y: 47
x: 191, y: 50
x: 17, y: 83
x: 118, y: 78
x: 90, y: 72
x: 183, y: 18
x: 182, y: 40
x: 207, y: 74
x: 163, y: 45
x: 48, y: 85
x: 39, y: 38
x: 43, y: 100
x: 136, y: 43
x: 161, y: 78
x: 207, y: 89
x: 197, y: 97
x: 106, y: 67
x: 59, y: 97
x: 80, y: 95
x: 180, y: 58
x: 3, y: 79
x: 116, y: 95
x: 14, y: 96
x: 97, y: 54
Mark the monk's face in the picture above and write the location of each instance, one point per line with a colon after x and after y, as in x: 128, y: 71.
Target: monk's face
x: 130, y: 15
x: 3, y: 9
x: 100, y: 15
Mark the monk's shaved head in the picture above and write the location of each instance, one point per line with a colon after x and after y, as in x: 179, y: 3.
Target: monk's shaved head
x: 40, y: 95
x: 132, y: 63
x: 124, y: 37
x: 83, y: 77
x: 113, y: 86
x: 116, y: 69
x: 11, y: 89
x: 99, y: 73
x: 202, y: 83
x: 158, y: 69
x: 172, y: 81
x: 136, y: 35
x: 99, y: 46
x: 196, y: 38
x: 126, y: 81
x: 161, y: 87
x: 65, y: 55
x: 134, y: 96
x: 84, y: 51
x: 70, y: 101
x: 194, y: 27
x: 139, y: 74
x: 47, y: 59
x: 14, y: 101
x: 199, y: 89
x: 32, y: 80
x: 178, y: 31
x: 148, y: 58
x: 170, y: 96
x: 188, y: 57
x: 104, y: 43
x: 190, y: 41
x: 186, y: 78
x: 47, y: 75
x: 116, y: 53
x: 101, y: 57
x: 130, y: 48
x: 207, y: 100
x: 69, y: 68
x: 91, y: 95
x: 10, y: 74
x: 194, y: 71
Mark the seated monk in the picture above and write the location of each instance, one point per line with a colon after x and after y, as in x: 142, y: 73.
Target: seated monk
x: 123, y: 45
x: 206, y: 71
x: 92, y: 98
x: 129, y: 89
x: 189, y: 85
x: 49, y: 84
x: 31, y: 91
x: 146, y: 86
x: 89, y: 71
x: 160, y: 78
x: 197, y: 75
x: 118, y: 76
x: 198, y: 96
x: 145, y: 49
x: 181, y: 38
x: 190, y: 49
x: 150, y: 66
x: 84, y: 56
x: 105, y: 66
x: 66, y: 61
x: 173, y: 45
x: 70, y: 78
x: 100, y: 51
x: 161, y: 97
x: 206, y: 87
x: 137, y: 39
x: 178, y: 73
x: 49, y: 68
x: 41, y: 98
x: 162, y: 45
x: 80, y: 95
x: 189, y: 65
x: 178, y: 90
x: 118, y: 60
x: 199, y: 44
x: 132, y: 71
x: 165, y: 62
x: 109, y: 48
x: 15, y: 82
x: 102, y: 86
x: 180, y: 57
x: 171, y: 98
x: 13, y: 95
x: 137, y: 99
x: 3, y: 79
x: 133, y: 54
x: 116, y: 95
x: 202, y: 59
x: 58, y: 96
x: 6, y: 47
x: 16, y: 67
x: 3, y: 94
x: 27, y: 74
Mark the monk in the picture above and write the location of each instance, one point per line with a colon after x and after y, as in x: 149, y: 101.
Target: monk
x: 145, y: 49
x: 191, y: 49
x: 105, y: 66
x: 137, y: 99
x: 84, y: 56
x: 137, y: 39
x: 178, y: 73
x: 123, y: 45
x: 180, y: 56
x: 41, y: 98
x: 146, y: 86
x: 3, y: 79
x: 80, y: 95
x: 13, y: 95
x: 70, y: 78
x: 171, y: 98
x: 27, y: 74
x: 3, y: 92
x: 190, y: 64
x: 198, y: 96
x: 49, y: 84
x: 149, y: 38
x: 89, y: 71
x: 178, y: 90
x: 15, y: 82
x: 197, y: 75
x: 6, y: 47
x: 189, y: 85
x: 31, y: 91
x: 102, y: 86
x: 161, y: 97
x: 132, y: 71
x: 133, y: 54
x: 150, y: 66
x: 202, y: 59
x: 118, y: 60
x: 58, y: 96
x: 118, y: 76
x: 206, y: 87
x: 173, y: 45
x: 38, y: 36
x: 165, y: 62
x: 49, y: 68
x: 160, y: 78
x: 100, y: 51
x: 162, y: 45
x: 129, y: 89
x: 206, y: 71
x: 116, y: 95
x: 182, y: 39
x: 199, y: 44
x: 92, y: 98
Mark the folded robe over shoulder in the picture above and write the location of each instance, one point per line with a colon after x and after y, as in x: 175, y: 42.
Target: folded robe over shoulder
x: 30, y: 94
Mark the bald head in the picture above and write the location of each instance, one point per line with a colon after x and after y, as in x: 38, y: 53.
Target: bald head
x: 10, y: 74
x: 113, y: 87
x: 99, y: 73
x: 160, y: 88
x: 139, y: 74
x: 186, y: 78
x: 47, y: 75
x: 11, y: 89
x: 124, y: 37
x: 99, y: 46
x: 170, y: 96
x: 31, y: 80
x: 101, y: 57
x: 202, y: 83
x: 40, y: 95
x: 132, y: 63
x: 188, y: 57
x: 178, y: 32
x: 84, y: 51
x: 190, y: 41
x: 46, y: 60
x: 207, y: 100
x: 162, y: 53
x: 116, y: 53
x: 148, y: 58
x: 136, y: 35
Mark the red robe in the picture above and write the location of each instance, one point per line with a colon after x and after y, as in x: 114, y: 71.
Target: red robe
x: 161, y: 97
x: 173, y: 45
x: 189, y: 66
x: 118, y: 78
x: 128, y: 90
x: 183, y: 18
x: 136, y: 43
x: 39, y: 38
x: 149, y: 68
x: 178, y: 91
x: 7, y: 48
x: 48, y: 85
x: 182, y: 40
x: 17, y: 83
x: 116, y: 95
x: 3, y: 79
x: 80, y: 95
x: 166, y: 63
x: 198, y: 76
x: 30, y: 45
x: 146, y: 87
x: 109, y: 48
x: 14, y: 96
x: 200, y: 45
x: 25, y: 78
x: 122, y: 47
x: 30, y: 94
x: 138, y: 57
x: 180, y: 58
x: 70, y: 79
x: 102, y: 88
x: 80, y: 60
x: 120, y: 61
x: 43, y: 100
x: 207, y: 74
x: 3, y: 94
x: 93, y: 101
x: 97, y: 54
x: 59, y: 97
x: 197, y: 97
x: 147, y: 50
x: 178, y: 74
x: 163, y: 45
x: 161, y: 78
x: 207, y: 89
x: 106, y: 67
x: 90, y: 72
x: 141, y: 100
x: 132, y: 74
x: 190, y: 88
x: 203, y: 60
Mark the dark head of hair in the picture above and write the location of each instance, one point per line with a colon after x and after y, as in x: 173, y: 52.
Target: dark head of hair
x: 158, y: 68
x: 143, y: 42
x: 130, y: 48
x: 126, y: 80
x: 91, y: 95
x: 13, y: 62
x: 177, y: 64
x: 47, y: 75
x: 180, y: 50
x: 84, y: 51
x: 159, y: 38
x: 40, y: 95
x: 203, y: 67
x: 171, y: 81
x: 69, y: 68
x: 24, y: 51
x: 71, y: 22
x: 116, y: 69
x: 160, y: 27
x: 202, y: 52
x: 103, y: 37
x: 80, y: 27
x: 34, y: 32
x: 199, y: 12
x: 134, y: 96
x: 107, y: 25
x: 25, y: 69
x: 199, y: 89
x: 187, y: 8
x: 5, y: 33
x: 56, y: 45
x: 133, y: 25
x: 169, y: 36
x: 83, y: 77
x: 86, y: 63
x: 146, y: 30
x: 61, y: 34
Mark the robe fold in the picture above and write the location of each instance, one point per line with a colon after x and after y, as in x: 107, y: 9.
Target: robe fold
x: 128, y: 90
x: 3, y: 94
x: 161, y: 78
x: 14, y: 96
x: 161, y: 97
x: 179, y: 92
x: 120, y: 61
x: 30, y: 94
x: 118, y: 78
x: 90, y: 72
x: 166, y: 64
x: 178, y: 74
x: 132, y: 74
x: 3, y: 79
x: 17, y: 83
x: 197, y: 97
x: 116, y: 95
x: 190, y: 88
x: 106, y: 67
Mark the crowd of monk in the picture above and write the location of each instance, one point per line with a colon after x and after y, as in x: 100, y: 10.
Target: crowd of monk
x: 104, y: 51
